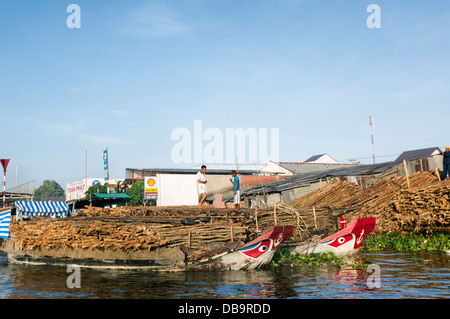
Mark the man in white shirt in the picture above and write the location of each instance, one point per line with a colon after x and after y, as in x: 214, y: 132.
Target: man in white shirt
x: 201, y: 182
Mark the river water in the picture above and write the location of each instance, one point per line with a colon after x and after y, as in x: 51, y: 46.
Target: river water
x: 402, y: 275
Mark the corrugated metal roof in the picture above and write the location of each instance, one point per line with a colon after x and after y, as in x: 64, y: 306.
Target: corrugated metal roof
x: 112, y: 196
x: 195, y: 171
x: 303, y: 180
x: 315, y: 157
x: 300, y: 168
x: 424, y: 152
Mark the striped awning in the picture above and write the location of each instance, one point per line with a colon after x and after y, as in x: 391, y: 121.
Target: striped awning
x: 42, y: 208
x: 5, y: 221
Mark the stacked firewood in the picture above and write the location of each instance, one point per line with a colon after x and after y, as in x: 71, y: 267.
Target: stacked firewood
x: 305, y: 221
x: 424, y: 206
x: 174, y: 213
x: 333, y: 194
x: 119, y: 235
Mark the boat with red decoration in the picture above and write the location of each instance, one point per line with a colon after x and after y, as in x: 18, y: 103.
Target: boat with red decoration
x: 347, y: 241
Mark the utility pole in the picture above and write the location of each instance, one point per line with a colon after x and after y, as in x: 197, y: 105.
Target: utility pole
x: 371, y: 135
x: 5, y: 163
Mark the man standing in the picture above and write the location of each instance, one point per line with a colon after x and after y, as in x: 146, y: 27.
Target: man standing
x: 236, y: 189
x: 446, y: 162
x: 201, y: 182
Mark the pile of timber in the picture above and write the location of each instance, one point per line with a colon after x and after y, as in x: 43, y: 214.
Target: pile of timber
x: 422, y: 209
x: 172, y: 214
x: 306, y: 222
x: 334, y: 194
x: 122, y: 234
x: 419, y: 203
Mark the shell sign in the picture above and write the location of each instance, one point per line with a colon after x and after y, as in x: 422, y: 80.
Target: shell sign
x: 151, y: 188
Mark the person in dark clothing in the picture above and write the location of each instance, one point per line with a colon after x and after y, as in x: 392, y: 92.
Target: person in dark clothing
x: 446, y: 162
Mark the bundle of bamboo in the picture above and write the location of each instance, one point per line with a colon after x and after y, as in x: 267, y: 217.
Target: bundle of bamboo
x: 418, y: 203
x: 119, y: 235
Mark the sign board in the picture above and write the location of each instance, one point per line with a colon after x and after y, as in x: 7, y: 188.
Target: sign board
x: 150, y: 187
x: 5, y: 163
x: 77, y: 190
x: 105, y: 164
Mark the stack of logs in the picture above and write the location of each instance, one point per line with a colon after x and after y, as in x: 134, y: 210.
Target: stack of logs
x: 305, y: 221
x: 424, y: 206
x: 128, y: 229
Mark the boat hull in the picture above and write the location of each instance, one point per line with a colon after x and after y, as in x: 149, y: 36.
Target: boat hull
x: 253, y: 255
x: 347, y: 241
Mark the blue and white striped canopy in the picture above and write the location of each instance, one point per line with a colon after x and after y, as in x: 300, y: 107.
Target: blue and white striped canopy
x: 42, y: 208
x: 5, y: 221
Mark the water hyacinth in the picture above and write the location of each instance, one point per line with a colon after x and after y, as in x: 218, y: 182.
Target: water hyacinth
x: 284, y: 257
x: 408, y: 243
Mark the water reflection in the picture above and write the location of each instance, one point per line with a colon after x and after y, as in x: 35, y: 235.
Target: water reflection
x: 424, y: 275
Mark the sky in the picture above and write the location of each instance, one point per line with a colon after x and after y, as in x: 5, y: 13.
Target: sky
x: 137, y: 70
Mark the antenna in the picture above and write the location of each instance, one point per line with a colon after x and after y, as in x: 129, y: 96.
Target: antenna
x: 371, y: 135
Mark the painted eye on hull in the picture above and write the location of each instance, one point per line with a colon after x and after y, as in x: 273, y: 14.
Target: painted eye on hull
x: 340, y: 241
x: 257, y: 250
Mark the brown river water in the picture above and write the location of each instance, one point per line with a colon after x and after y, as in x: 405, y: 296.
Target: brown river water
x: 401, y: 276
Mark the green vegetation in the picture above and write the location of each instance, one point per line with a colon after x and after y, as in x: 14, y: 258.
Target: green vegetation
x: 409, y: 243
x: 97, y: 188
x: 48, y: 189
x: 136, y: 191
x: 284, y: 257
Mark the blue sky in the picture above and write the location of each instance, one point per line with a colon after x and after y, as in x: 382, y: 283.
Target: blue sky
x: 136, y: 70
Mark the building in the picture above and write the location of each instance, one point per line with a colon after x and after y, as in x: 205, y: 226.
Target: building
x: 76, y: 190
x: 178, y: 187
x: 322, y: 159
x: 420, y: 153
x: 297, y: 185
x: 292, y: 168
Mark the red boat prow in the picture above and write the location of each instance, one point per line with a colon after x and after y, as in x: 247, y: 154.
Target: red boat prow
x: 359, y: 228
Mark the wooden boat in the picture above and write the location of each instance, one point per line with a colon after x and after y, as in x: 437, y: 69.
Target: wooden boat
x: 347, y: 241
x: 252, y: 255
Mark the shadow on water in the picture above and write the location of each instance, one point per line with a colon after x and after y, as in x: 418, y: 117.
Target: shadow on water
x: 421, y: 275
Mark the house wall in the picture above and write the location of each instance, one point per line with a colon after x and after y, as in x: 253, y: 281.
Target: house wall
x: 177, y: 189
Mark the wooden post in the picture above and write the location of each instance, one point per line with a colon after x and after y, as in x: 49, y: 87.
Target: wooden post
x: 256, y: 216
x: 437, y: 173
x: 189, y: 238
x: 231, y: 233
x: 275, y: 213
x: 314, y: 213
x: 406, y: 173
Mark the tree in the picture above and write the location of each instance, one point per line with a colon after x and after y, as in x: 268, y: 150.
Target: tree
x: 136, y: 191
x: 48, y: 189
x: 97, y: 188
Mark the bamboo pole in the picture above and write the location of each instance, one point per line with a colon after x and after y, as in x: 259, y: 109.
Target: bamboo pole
x: 189, y: 238
x: 275, y: 213
x: 437, y: 173
x: 406, y: 173
x: 315, y: 220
